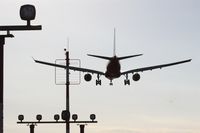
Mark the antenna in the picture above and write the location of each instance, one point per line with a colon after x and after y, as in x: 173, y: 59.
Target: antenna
x: 114, y: 43
x: 67, y: 48
x: 68, y: 43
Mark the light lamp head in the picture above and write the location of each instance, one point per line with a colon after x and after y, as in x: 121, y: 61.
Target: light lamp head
x: 56, y: 117
x: 39, y: 117
x: 21, y: 117
x: 28, y: 13
x: 92, y: 117
x: 65, y: 115
x: 74, y: 117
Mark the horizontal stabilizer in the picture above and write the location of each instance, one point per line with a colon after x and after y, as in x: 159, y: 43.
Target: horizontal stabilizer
x: 125, y: 57
x: 102, y: 57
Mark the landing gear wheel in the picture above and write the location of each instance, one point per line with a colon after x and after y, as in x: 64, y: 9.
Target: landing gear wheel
x: 98, y: 82
x: 126, y: 82
x: 111, y: 83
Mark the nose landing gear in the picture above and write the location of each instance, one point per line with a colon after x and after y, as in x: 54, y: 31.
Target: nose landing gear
x: 111, y: 83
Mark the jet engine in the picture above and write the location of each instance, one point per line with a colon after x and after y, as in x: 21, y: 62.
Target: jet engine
x: 88, y: 77
x: 136, y: 77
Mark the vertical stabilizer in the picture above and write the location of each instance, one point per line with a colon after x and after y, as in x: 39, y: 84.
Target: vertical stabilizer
x: 114, y: 43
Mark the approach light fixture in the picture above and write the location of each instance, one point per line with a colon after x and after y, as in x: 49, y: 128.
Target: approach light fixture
x: 39, y: 117
x: 92, y: 117
x: 56, y: 117
x: 65, y: 115
x: 74, y: 117
x: 21, y: 117
x: 28, y: 13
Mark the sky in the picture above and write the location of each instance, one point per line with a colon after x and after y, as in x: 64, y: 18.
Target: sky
x: 164, y: 31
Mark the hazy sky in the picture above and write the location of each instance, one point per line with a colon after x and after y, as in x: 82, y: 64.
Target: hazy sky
x: 163, y: 101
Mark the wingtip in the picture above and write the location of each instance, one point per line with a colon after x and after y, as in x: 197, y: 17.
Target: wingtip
x: 89, y: 55
x: 33, y: 59
x: 188, y: 60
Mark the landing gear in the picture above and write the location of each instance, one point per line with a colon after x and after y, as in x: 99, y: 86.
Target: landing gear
x: 111, y: 83
x: 98, y: 81
x: 126, y: 81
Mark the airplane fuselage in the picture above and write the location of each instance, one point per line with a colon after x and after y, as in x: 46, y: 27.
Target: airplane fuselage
x: 113, y: 69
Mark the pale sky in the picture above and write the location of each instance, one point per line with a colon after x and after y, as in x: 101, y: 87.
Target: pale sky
x: 163, y: 101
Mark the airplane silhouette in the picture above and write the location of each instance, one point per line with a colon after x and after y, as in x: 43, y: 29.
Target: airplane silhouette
x: 113, y: 67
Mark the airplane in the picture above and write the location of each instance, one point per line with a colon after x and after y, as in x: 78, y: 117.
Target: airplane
x: 113, y: 69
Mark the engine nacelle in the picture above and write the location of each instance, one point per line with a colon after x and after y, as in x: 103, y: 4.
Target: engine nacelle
x: 88, y: 77
x: 136, y: 77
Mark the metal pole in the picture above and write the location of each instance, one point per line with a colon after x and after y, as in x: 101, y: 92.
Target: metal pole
x: 67, y: 91
x: 2, y: 42
x: 32, y: 126
x: 82, y: 128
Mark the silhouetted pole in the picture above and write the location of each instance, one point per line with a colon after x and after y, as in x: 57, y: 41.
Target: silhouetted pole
x: 65, y: 115
x: 2, y: 41
x: 82, y: 128
x: 27, y: 13
x: 67, y: 92
x: 32, y: 126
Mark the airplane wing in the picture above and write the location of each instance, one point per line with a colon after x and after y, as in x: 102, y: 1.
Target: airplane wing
x: 154, y: 67
x: 71, y: 67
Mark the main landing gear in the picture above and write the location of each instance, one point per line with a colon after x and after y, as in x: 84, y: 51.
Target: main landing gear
x: 98, y: 81
x: 126, y: 81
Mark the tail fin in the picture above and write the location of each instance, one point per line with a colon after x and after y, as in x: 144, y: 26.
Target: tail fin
x: 114, y: 43
x: 114, y: 52
x: 114, y: 49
